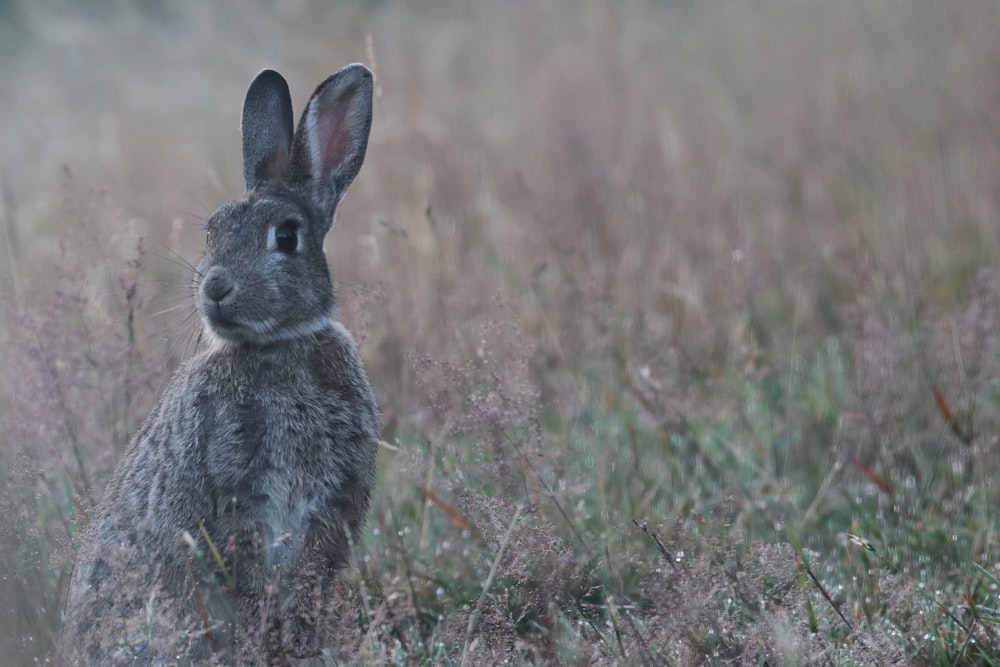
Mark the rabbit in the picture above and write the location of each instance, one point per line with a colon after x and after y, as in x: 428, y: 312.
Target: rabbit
x: 239, y: 498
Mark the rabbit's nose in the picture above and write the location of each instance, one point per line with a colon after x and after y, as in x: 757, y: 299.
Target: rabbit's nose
x: 217, y: 285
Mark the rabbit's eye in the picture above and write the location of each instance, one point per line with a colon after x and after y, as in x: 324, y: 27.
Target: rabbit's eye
x: 286, y: 236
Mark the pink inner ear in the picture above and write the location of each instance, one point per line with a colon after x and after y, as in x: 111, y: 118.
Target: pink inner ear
x: 277, y: 164
x: 331, y: 136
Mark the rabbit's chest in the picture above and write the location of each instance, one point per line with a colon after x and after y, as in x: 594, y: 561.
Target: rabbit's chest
x: 274, y: 454
x: 283, y: 523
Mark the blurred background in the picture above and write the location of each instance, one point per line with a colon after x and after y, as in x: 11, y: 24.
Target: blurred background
x: 726, y: 269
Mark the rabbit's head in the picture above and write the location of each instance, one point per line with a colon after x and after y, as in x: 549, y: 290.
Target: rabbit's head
x: 264, y: 275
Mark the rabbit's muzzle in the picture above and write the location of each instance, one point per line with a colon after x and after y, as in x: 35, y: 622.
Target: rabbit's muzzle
x: 218, y: 299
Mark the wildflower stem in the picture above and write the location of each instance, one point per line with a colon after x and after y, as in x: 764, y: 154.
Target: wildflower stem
x: 474, y: 619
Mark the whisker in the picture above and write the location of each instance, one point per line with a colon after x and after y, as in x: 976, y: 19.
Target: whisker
x: 173, y: 257
x: 358, y: 287
x: 192, y: 196
x: 202, y: 221
x: 171, y: 309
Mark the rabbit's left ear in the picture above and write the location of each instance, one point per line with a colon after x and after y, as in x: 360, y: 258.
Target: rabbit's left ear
x: 266, y: 126
x: 332, y: 137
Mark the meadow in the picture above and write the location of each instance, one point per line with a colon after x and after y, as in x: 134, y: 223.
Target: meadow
x: 683, y: 317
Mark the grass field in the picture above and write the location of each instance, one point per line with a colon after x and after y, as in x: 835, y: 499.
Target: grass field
x: 684, y: 317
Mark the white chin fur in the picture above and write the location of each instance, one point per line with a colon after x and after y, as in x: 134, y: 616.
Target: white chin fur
x: 268, y: 331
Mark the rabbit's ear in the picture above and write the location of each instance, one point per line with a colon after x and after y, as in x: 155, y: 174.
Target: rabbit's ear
x: 266, y: 126
x: 332, y: 137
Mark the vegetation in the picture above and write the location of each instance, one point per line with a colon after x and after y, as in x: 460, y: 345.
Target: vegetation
x: 684, y: 317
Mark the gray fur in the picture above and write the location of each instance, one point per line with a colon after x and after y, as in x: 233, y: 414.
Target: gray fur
x: 265, y: 440
x: 266, y: 126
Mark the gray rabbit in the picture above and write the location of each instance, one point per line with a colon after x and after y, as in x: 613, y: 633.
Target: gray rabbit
x: 238, y: 500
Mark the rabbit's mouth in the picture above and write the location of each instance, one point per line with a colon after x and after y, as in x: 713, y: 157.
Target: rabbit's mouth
x: 226, y: 328
x: 223, y: 326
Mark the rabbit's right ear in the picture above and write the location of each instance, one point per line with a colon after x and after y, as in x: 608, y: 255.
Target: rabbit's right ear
x: 332, y: 138
x: 266, y: 126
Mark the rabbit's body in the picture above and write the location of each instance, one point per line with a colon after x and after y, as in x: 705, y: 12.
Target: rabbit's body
x: 261, y: 451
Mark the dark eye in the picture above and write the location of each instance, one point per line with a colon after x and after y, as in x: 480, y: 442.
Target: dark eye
x: 286, y: 236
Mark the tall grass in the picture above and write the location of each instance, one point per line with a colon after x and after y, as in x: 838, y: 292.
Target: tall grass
x: 684, y: 317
